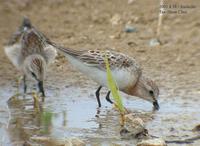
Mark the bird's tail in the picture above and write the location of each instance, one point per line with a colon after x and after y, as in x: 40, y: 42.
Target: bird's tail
x: 67, y: 51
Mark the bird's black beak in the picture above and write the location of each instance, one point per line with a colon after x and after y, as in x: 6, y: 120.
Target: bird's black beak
x: 156, y: 105
x: 41, y: 88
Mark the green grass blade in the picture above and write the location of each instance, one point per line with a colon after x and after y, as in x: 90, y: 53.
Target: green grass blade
x: 46, y: 120
x: 113, y: 87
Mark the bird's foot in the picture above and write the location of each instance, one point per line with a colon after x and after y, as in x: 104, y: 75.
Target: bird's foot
x: 36, y: 101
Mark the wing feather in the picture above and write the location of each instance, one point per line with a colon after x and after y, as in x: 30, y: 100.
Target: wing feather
x: 49, y: 54
x: 116, y: 60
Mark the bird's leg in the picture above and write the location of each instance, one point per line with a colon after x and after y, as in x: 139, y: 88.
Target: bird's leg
x: 18, y: 83
x: 41, y: 89
x: 108, y: 98
x: 36, y: 101
x: 97, y: 95
x: 25, y: 86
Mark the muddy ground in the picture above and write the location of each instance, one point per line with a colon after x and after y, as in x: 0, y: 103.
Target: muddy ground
x: 70, y: 106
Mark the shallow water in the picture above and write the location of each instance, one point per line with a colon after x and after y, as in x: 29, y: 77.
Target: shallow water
x: 73, y: 112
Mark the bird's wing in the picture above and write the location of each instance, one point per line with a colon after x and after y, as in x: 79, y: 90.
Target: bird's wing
x: 49, y: 53
x: 13, y: 53
x: 13, y: 49
x: 96, y: 58
x: 15, y: 38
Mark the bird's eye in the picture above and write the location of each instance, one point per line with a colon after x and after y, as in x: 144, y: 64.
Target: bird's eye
x: 33, y: 74
x: 151, y: 93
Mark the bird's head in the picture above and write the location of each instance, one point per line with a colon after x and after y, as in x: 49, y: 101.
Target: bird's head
x: 35, y: 68
x: 146, y: 89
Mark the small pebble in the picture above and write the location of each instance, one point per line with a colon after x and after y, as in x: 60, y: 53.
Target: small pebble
x: 131, y: 1
x: 130, y: 29
x: 60, y: 142
x: 115, y: 20
x: 152, y: 142
x: 196, y: 128
x: 154, y: 42
x: 133, y: 126
x: 116, y: 36
x: 77, y: 142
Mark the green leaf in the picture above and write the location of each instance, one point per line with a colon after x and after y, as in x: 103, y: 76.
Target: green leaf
x: 113, y: 87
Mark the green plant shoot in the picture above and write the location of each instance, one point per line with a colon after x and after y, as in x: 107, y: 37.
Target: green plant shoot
x: 113, y: 87
x: 46, y: 119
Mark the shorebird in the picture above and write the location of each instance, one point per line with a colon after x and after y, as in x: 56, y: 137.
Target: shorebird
x: 125, y: 70
x: 30, y: 52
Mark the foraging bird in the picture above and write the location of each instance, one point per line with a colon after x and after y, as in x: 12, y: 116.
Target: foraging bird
x: 30, y: 52
x: 126, y: 72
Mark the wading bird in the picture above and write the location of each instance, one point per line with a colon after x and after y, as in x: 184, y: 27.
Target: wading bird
x: 126, y: 72
x: 30, y: 52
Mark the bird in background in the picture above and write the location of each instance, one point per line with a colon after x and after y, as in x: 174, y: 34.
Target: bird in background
x: 125, y: 70
x: 30, y: 52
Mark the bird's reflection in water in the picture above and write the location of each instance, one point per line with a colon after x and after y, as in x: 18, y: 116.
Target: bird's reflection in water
x: 28, y: 118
